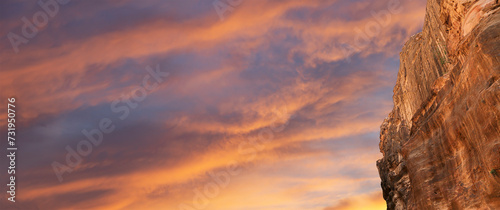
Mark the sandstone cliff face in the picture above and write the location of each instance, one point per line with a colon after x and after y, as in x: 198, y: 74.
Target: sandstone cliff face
x: 441, y: 142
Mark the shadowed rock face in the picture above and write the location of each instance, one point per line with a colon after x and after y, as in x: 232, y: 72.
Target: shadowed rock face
x: 441, y: 142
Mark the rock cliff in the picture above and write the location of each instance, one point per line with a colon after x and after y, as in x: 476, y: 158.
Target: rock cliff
x: 441, y: 142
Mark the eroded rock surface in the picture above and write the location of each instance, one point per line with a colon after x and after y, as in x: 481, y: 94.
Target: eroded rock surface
x: 441, y: 142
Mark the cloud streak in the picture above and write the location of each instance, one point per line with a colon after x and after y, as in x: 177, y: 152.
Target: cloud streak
x: 229, y: 81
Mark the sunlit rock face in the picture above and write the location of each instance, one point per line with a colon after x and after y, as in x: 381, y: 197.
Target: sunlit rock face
x: 441, y: 142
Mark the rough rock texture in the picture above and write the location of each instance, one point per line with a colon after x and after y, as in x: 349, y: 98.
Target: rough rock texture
x: 441, y: 142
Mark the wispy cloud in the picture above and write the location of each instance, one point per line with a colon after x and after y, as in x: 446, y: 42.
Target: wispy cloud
x: 229, y: 80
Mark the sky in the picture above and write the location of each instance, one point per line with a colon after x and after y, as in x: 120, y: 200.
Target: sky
x: 225, y: 104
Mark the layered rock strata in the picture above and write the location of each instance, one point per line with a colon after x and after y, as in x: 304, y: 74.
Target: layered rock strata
x: 441, y: 142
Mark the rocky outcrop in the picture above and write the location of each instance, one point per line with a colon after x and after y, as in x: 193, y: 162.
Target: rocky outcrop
x: 441, y: 142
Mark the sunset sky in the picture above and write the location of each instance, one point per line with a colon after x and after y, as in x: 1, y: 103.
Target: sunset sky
x: 273, y: 104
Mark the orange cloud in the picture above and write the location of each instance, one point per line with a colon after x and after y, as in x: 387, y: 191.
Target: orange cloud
x: 371, y: 201
x: 230, y: 100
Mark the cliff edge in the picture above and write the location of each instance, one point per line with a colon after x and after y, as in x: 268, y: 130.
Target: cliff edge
x: 441, y: 142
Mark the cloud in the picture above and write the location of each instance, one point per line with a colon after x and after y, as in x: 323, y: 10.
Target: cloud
x: 230, y: 80
x: 361, y: 202
x: 61, y: 76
